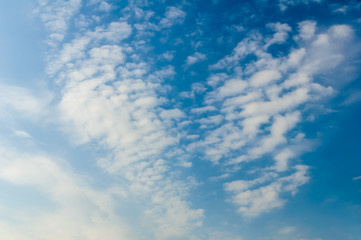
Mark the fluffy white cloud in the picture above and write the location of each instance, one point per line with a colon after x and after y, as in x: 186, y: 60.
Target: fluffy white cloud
x: 282, y: 160
x: 341, y: 31
x: 196, y: 57
x: 264, y: 77
x: 173, y: 15
x: 202, y: 110
x: 280, y: 35
x: 262, y: 103
x: 278, y: 129
x: 307, y: 29
x: 263, y: 194
x: 110, y: 96
x: 56, y: 15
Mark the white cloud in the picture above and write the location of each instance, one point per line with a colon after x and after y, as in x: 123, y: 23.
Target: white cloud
x: 263, y: 101
x: 217, y: 119
x: 214, y: 79
x: 72, y: 198
x: 344, y: 7
x: 321, y: 40
x: 104, y: 6
x: 110, y: 96
x: 173, y: 15
x: 282, y: 160
x: 297, y: 79
x: 196, y: 57
x: 172, y: 114
x: 284, y: 4
x: 254, y: 198
x: 242, y: 49
x: 232, y: 87
x: 169, y: 55
x: 307, y: 29
x: 341, y: 31
x: 287, y: 230
x: 296, y: 56
x: 115, y: 32
x: 22, y: 134
x: 278, y: 129
x: 353, y: 98
x: 286, y: 102
x: 75, y: 50
x: 217, y: 178
x: 203, y: 109
x: 242, y: 99
x: 23, y: 102
x: 356, y: 178
x: 254, y: 202
x: 220, y: 142
x: 281, y: 34
x: 264, y: 77
x: 56, y: 16
x: 251, y: 125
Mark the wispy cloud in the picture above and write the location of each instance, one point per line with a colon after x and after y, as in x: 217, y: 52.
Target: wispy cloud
x: 356, y: 178
x: 69, y: 196
x: 284, y: 4
x: 173, y: 15
x: 196, y: 57
x: 24, y: 102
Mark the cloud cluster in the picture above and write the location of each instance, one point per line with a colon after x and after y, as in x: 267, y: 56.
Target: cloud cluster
x: 260, y: 104
x: 115, y: 97
x: 56, y: 16
x: 110, y: 96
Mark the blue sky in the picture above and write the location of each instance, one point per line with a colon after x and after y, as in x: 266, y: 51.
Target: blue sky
x: 199, y: 120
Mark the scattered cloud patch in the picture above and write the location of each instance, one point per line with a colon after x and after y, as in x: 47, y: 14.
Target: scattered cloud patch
x: 196, y: 57
x: 286, y: 230
x: 171, y: 112
x: 280, y: 35
x: 284, y: 4
x: 356, y: 178
x: 22, y: 134
x: 173, y: 15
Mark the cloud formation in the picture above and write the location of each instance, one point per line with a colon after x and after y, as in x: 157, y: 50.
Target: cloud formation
x: 169, y: 121
x: 261, y: 103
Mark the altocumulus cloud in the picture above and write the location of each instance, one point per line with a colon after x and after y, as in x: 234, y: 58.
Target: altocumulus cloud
x: 177, y: 118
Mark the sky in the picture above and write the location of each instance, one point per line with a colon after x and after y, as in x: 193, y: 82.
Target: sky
x: 180, y: 120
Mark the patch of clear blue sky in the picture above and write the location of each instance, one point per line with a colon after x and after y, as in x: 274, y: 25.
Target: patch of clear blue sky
x: 21, y: 43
